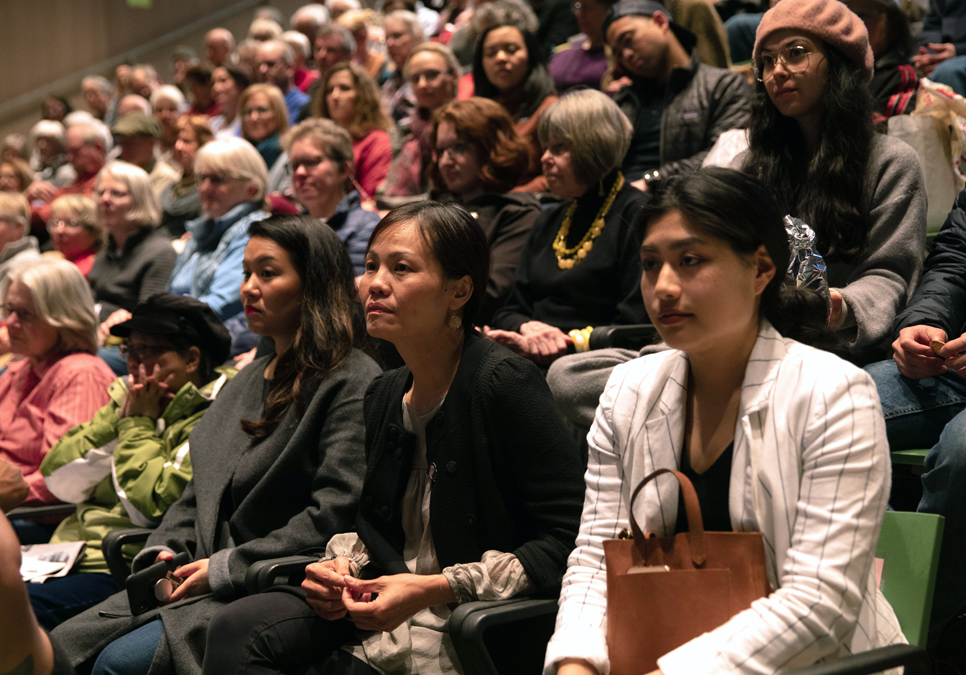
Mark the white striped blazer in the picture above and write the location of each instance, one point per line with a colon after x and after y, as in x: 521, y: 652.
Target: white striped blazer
x: 811, y: 471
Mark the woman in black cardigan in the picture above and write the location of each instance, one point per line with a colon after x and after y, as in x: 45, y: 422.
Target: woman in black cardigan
x: 473, y: 487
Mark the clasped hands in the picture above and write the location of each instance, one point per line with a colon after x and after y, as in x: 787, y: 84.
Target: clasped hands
x: 147, y: 394
x: 536, y: 341
x: 932, y: 55
x: 380, y: 604
x: 916, y: 359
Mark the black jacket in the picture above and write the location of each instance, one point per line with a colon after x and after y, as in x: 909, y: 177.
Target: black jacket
x: 507, y: 474
x: 940, y: 297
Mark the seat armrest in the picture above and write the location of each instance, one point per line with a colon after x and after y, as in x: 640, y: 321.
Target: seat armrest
x: 111, y: 546
x: 471, y: 620
x: 35, y: 512
x: 289, y: 571
x: 914, y: 659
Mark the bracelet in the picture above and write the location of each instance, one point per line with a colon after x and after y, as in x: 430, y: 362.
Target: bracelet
x: 581, y: 338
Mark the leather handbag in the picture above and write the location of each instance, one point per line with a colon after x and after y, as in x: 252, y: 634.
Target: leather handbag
x: 665, y: 591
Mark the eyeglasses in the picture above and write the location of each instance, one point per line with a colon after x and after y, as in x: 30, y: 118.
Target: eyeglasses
x: 142, y: 353
x: 23, y: 315
x: 258, y: 111
x: 66, y: 224
x: 430, y: 75
x: 309, y: 164
x: 216, y: 179
x: 114, y: 194
x: 793, y: 59
x: 454, y: 149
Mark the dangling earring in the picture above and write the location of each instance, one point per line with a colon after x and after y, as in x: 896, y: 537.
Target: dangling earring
x: 455, y: 322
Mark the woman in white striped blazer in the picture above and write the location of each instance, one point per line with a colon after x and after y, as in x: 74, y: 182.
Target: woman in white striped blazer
x: 792, y: 438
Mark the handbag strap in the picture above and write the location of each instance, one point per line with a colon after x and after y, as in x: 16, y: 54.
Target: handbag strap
x: 691, y: 507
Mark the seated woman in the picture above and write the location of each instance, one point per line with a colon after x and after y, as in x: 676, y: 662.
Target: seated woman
x: 49, y: 156
x: 580, y: 266
x: 320, y: 154
x: 232, y: 186
x: 227, y: 85
x: 16, y: 244
x: 433, y: 72
x: 582, y: 62
x: 277, y: 461
x: 403, y: 33
x: 476, y: 427
x: 128, y: 464
x: 75, y: 230
x: 812, y: 142
x: 374, y: 61
x: 348, y: 96
x: 894, y: 79
x: 714, y: 251
x: 479, y: 158
x: 15, y: 175
x: 168, y: 105
x: 181, y: 201
x: 264, y: 118
x: 509, y: 68
x: 49, y: 314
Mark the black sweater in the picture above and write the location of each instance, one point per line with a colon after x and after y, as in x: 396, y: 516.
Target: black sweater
x: 602, y: 290
x: 507, y: 474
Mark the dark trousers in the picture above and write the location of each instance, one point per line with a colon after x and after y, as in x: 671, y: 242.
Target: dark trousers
x: 277, y: 632
x: 59, y: 599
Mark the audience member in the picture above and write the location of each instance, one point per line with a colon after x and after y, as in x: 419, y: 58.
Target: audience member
x: 509, y: 68
x: 181, y: 201
x: 138, y: 137
x: 16, y: 244
x: 55, y: 108
x: 75, y: 231
x: 99, y: 96
x: 581, y: 265
x: 263, y: 30
x: 482, y: 16
x: 264, y: 118
x: 302, y: 50
x: 227, y: 84
x: 247, y: 51
x: 478, y: 159
x: 320, y: 156
x: 15, y: 175
x: 133, y: 103
x: 277, y: 461
x: 232, y: 179
x: 122, y: 80
x: 136, y: 261
x: 333, y: 44
x: 144, y: 80
x: 173, y: 345
x: 348, y: 96
x: 813, y: 144
x: 198, y: 81
x: 403, y: 33
x: 276, y: 66
x: 701, y: 18
x: 168, y: 104
x: 942, y: 44
x: 678, y: 105
x: 714, y: 254
x: 357, y: 21
x: 49, y: 157
x: 182, y: 59
x: 49, y: 315
x: 433, y: 74
x: 219, y: 47
x: 428, y: 18
x: 307, y: 20
x: 581, y: 62
x: 923, y: 397
x: 14, y: 146
x: 894, y: 80
x: 459, y: 401
x: 339, y: 7
x: 556, y: 24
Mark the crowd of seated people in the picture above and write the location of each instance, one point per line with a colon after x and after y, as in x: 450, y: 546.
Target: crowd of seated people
x: 206, y: 286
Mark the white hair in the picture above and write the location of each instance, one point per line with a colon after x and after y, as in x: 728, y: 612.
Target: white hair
x: 136, y: 99
x: 47, y: 129
x: 234, y: 157
x: 285, y: 49
x: 298, y: 42
x: 264, y: 27
x: 171, y: 93
x: 98, y: 81
x: 315, y: 12
x: 94, y: 131
x: 411, y: 21
x: 77, y: 117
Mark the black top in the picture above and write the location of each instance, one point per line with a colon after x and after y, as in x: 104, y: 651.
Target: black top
x: 602, y: 290
x: 507, y: 473
x: 644, y: 153
x: 121, y: 281
x: 712, y: 489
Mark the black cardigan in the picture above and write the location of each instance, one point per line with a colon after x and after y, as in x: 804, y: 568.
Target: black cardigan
x: 507, y: 472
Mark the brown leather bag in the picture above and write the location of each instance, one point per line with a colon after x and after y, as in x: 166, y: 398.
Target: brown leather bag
x: 665, y: 591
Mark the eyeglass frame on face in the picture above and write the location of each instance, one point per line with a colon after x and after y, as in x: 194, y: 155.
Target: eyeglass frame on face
x: 261, y: 111
x: 142, y: 353
x: 457, y: 149
x: 759, y: 70
x: 216, y: 179
x: 23, y: 317
x: 72, y: 224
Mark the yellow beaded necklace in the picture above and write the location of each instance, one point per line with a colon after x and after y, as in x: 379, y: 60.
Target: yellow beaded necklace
x: 568, y: 257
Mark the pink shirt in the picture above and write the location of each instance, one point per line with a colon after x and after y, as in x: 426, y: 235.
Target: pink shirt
x: 373, y: 157
x: 38, y: 407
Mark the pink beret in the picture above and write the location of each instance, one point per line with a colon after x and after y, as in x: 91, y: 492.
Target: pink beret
x: 829, y: 20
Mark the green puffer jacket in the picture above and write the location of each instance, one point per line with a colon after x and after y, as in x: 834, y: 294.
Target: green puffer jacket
x: 124, y: 473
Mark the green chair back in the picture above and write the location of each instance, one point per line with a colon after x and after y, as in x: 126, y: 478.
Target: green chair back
x: 909, y: 545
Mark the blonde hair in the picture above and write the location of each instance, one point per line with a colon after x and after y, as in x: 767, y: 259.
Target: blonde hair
x: 62, y: 298
x: 236, y: 158
x: 598, y: 132
x: 14, y: 206
x: 81, y: 208
x: 145, y: 209
x: 452, y: 63
x: 276, y: 101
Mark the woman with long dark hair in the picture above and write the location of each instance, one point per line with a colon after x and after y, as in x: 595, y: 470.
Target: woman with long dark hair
x: 277, y: 460
x: 776, y: 436
x: 812, y: 142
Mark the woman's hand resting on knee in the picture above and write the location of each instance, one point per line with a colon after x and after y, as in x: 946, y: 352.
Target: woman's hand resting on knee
x: 397, y: 598
x: 324, y: 583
